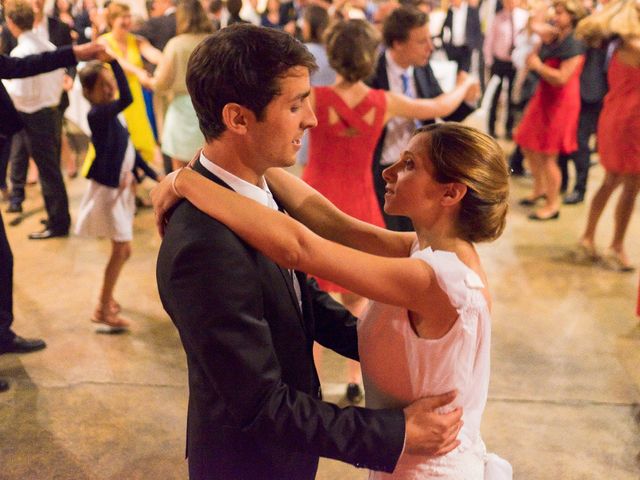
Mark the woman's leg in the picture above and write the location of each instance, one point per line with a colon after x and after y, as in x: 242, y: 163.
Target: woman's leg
x: 535, y: 165
x: 624, y: 209
x: 355, y: 304
x: 598, y: 203
x: 552, y: 177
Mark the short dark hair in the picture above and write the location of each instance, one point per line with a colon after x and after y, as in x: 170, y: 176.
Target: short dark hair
x: 240, y: 64
x: 352, y: 48
x: 20, y: 13
x: 90, y: 73
x: 398, y: 24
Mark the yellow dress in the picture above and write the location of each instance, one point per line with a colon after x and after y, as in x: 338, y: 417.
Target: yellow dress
x: 136, y: 113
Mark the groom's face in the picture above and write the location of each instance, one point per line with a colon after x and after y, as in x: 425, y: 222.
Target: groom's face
x: 277, y: 137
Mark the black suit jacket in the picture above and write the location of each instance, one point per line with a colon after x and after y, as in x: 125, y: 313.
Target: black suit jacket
x: 11, y: 67
x: 473, y: 30
x: 254, y: 407
x: 159, y: 30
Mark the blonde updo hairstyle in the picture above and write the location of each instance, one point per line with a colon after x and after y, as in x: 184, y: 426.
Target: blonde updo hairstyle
x: 351, y: 47
x: 619, y: 18
x: 465, y: 155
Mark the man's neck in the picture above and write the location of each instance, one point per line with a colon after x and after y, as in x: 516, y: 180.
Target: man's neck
x: 226, y: 156
x: 397, y: 58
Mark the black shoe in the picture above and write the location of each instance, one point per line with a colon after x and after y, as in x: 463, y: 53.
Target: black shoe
x: 354, y: 393
x: 574, y: 198
x: 554, y: 216
x: 530, y: 202
x: 14, y: 207
x: 22, y: 345
x: 48, y: 233
x: 4, y: 385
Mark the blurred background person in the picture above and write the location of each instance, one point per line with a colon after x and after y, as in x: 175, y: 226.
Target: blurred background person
x: 550, y: 123
x: 618, y: 139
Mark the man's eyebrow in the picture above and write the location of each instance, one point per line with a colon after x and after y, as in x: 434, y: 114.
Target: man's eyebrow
x: 302, y: 96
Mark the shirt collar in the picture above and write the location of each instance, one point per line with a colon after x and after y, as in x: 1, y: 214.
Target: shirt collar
x: 259, y: 193
x: 395, y: 69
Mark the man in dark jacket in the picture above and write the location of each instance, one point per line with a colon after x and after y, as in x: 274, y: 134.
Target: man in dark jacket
x: 404, y: 68
x: 246, y: 324
x: 11, y: 67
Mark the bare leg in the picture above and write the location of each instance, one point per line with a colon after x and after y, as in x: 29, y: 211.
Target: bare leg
x: 599, y: 202
x: 120, y: 252
x: 535, y: 165
x: 624, y: 209
x: 355, y: 304
x: 552, y: 177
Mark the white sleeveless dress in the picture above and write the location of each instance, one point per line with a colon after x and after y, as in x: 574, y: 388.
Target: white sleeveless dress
x: 399, y: 367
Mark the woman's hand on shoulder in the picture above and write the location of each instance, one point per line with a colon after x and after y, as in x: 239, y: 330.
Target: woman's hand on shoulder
x: 164, y: 196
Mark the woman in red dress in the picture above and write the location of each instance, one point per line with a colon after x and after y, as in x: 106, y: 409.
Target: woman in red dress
x: 550, y: 124
x: 351, y: 117
x: 618, y: 138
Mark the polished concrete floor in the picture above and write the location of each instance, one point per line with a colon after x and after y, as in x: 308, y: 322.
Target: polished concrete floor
x: 564, y: 394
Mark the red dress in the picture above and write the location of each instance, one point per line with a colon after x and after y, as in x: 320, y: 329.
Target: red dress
x: 619, y: 124
x: 550, y: 122
x: 340, y: 156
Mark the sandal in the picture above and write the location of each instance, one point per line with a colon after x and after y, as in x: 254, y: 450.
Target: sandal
x: 614, y: 261
x: 109, y: 322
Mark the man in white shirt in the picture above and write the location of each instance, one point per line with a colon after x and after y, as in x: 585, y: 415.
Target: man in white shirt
x: 461, y: 33
x: 37, y: 99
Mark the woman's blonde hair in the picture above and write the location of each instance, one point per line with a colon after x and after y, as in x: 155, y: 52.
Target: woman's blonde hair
x: 465, y: 155
x: 573, y: 8
x: 619, y: 18
x: 191, y: 18
x: 115, y: 10
x: 352, y: 48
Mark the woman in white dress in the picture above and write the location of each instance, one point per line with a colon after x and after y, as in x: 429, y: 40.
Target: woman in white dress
x: 427, y: 330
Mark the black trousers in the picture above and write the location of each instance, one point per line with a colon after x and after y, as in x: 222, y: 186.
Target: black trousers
x: 6, y: 279
x: 587, y: 126
x: 461, y: 55
x: 41, y: 139
x: 5, y: 150
x: 397, y: 224
x: 504, y: 71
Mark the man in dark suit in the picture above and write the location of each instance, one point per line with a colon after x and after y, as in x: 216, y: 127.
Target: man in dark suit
x: 20, y: 68
x: 59, y: 34
x: 404, y: 68
x: 248, y: 325
x: 461, y: 32
x: 161, y: 25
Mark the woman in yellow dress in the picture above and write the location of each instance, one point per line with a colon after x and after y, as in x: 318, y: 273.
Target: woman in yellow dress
x: 129, y: 49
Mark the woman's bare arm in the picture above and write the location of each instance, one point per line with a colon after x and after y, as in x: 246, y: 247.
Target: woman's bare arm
x: 404, y: 282
x: 308, y: 206
x: 555, y: 76
x: 427, y: 108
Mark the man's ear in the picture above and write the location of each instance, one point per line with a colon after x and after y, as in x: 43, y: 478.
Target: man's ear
x: 454, y: 193
x: 236, y: 118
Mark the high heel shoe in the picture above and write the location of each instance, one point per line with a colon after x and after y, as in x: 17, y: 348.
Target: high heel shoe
x: 530, y: 202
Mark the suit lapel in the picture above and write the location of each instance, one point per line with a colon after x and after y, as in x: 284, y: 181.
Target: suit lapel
x: 286, y: 276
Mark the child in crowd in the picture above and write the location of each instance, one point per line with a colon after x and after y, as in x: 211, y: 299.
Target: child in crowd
x: 108, y: 206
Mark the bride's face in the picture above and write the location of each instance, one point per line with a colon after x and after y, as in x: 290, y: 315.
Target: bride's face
x: 412, y: 190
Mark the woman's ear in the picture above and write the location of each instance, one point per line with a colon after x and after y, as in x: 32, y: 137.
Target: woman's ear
x: 235, y: 118
x: 453, y: 193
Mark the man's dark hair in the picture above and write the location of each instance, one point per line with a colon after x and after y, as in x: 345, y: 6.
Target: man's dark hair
x: 240, y: 64
x: 398, y: 24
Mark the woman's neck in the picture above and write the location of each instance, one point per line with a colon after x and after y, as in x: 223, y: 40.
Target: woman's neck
x: 119, y: 34
x: 439, y: 235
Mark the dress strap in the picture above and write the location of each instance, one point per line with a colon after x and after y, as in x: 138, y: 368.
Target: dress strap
x: 353, y: 117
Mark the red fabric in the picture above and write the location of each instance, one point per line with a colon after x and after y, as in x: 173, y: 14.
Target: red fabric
x: 550, y: 122
x: 340, y: 156
x: 619, y: 125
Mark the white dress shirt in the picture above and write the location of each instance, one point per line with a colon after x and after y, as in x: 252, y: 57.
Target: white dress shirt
x: 259, y: 193
x: 459, y: 24
x: 41, y: 91
x: 399, y: 129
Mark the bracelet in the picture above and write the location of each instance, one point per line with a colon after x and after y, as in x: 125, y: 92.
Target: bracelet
x: 173, y: 183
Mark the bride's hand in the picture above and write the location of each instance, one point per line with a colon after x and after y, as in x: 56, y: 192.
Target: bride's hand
x: 164, y: 196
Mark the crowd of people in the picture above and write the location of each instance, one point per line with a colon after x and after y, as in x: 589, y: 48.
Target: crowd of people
x: 389, y: 172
